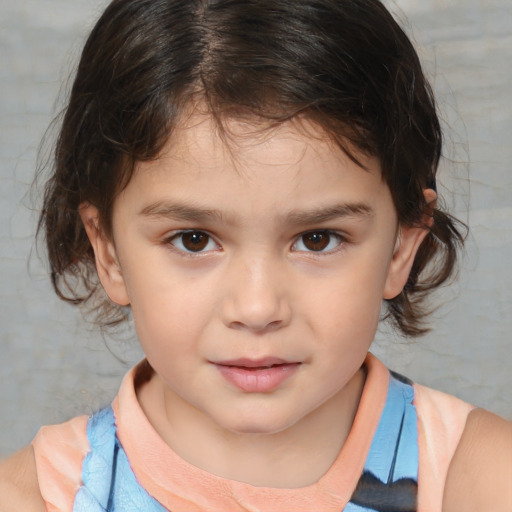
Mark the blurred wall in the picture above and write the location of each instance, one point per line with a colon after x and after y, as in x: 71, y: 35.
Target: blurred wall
x: 54, y: 365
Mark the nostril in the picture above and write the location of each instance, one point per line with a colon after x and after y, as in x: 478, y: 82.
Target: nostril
x: 274, y: 325
x: 236, y: 325
x: 269, y: 327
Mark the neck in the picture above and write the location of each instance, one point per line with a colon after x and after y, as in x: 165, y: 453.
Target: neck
x: 296, y: 457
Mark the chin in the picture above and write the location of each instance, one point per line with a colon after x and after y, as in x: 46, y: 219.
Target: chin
x: 258, y: 426
x: 255, y: 430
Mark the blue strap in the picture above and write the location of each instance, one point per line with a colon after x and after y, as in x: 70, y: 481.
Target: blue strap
x: 390, y: 477
x: 109, y: 484
x: 394, y: 451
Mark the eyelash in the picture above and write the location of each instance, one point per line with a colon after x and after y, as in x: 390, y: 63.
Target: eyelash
x: 325, y: 237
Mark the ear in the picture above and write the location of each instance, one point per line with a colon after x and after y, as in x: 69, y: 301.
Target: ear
x: 408, y: 242
x: 107, y: 263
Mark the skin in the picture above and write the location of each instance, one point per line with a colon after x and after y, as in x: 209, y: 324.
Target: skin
x: 480, y: 475
x: 261, y: 285
x: 19, y: 488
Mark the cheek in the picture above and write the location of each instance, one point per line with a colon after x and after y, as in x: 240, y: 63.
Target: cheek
x: 168, y: 308
x: 356, y: 292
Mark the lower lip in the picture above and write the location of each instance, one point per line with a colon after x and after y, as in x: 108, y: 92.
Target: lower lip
x: 258, y: 380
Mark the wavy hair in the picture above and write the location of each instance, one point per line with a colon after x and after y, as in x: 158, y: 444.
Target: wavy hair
x: 345, y: 64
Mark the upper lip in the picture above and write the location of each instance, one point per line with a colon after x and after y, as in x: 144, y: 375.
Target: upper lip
x: 265, y: 362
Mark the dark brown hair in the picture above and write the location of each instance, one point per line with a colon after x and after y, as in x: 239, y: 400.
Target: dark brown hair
x: 345, y: 64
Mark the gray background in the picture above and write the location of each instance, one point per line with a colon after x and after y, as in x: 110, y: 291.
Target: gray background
x: 54, y: 365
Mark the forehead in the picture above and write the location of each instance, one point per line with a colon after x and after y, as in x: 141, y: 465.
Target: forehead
x: 206, y: 141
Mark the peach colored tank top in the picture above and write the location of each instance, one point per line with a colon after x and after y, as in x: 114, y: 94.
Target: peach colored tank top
x: 60, y: 451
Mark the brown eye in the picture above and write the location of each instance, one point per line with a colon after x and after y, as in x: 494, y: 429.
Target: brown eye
x: 318, y: 241
x: 193, y: 241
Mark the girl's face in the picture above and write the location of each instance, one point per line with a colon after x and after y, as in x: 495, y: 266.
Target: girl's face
x: 255, y: 270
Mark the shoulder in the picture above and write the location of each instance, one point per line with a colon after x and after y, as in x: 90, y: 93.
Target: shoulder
x: 47, y: 473
x: 480, y: 474
x: 19, y: 487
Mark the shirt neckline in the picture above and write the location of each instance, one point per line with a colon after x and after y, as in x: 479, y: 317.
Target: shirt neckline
x: 177, y: 484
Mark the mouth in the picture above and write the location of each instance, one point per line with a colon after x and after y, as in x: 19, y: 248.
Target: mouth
x: 255, y: 364
x: 257, y: 375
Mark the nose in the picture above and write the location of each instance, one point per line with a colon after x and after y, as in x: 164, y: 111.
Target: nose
x: 256, y: 296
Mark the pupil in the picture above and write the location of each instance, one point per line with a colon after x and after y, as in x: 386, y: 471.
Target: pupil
x: 195, y: 241
x: 316, y: 241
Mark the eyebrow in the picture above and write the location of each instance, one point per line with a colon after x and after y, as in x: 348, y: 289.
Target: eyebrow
x: 325, y: 214
x: 297, y: 217
x: 180, y: 212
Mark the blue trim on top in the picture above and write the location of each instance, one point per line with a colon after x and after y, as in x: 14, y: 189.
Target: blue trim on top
x: 394, y: 450
x: 390, y: 476
x: 109, y: 484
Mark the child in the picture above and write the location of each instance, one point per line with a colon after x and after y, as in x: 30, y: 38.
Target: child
x: 251, y: 179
